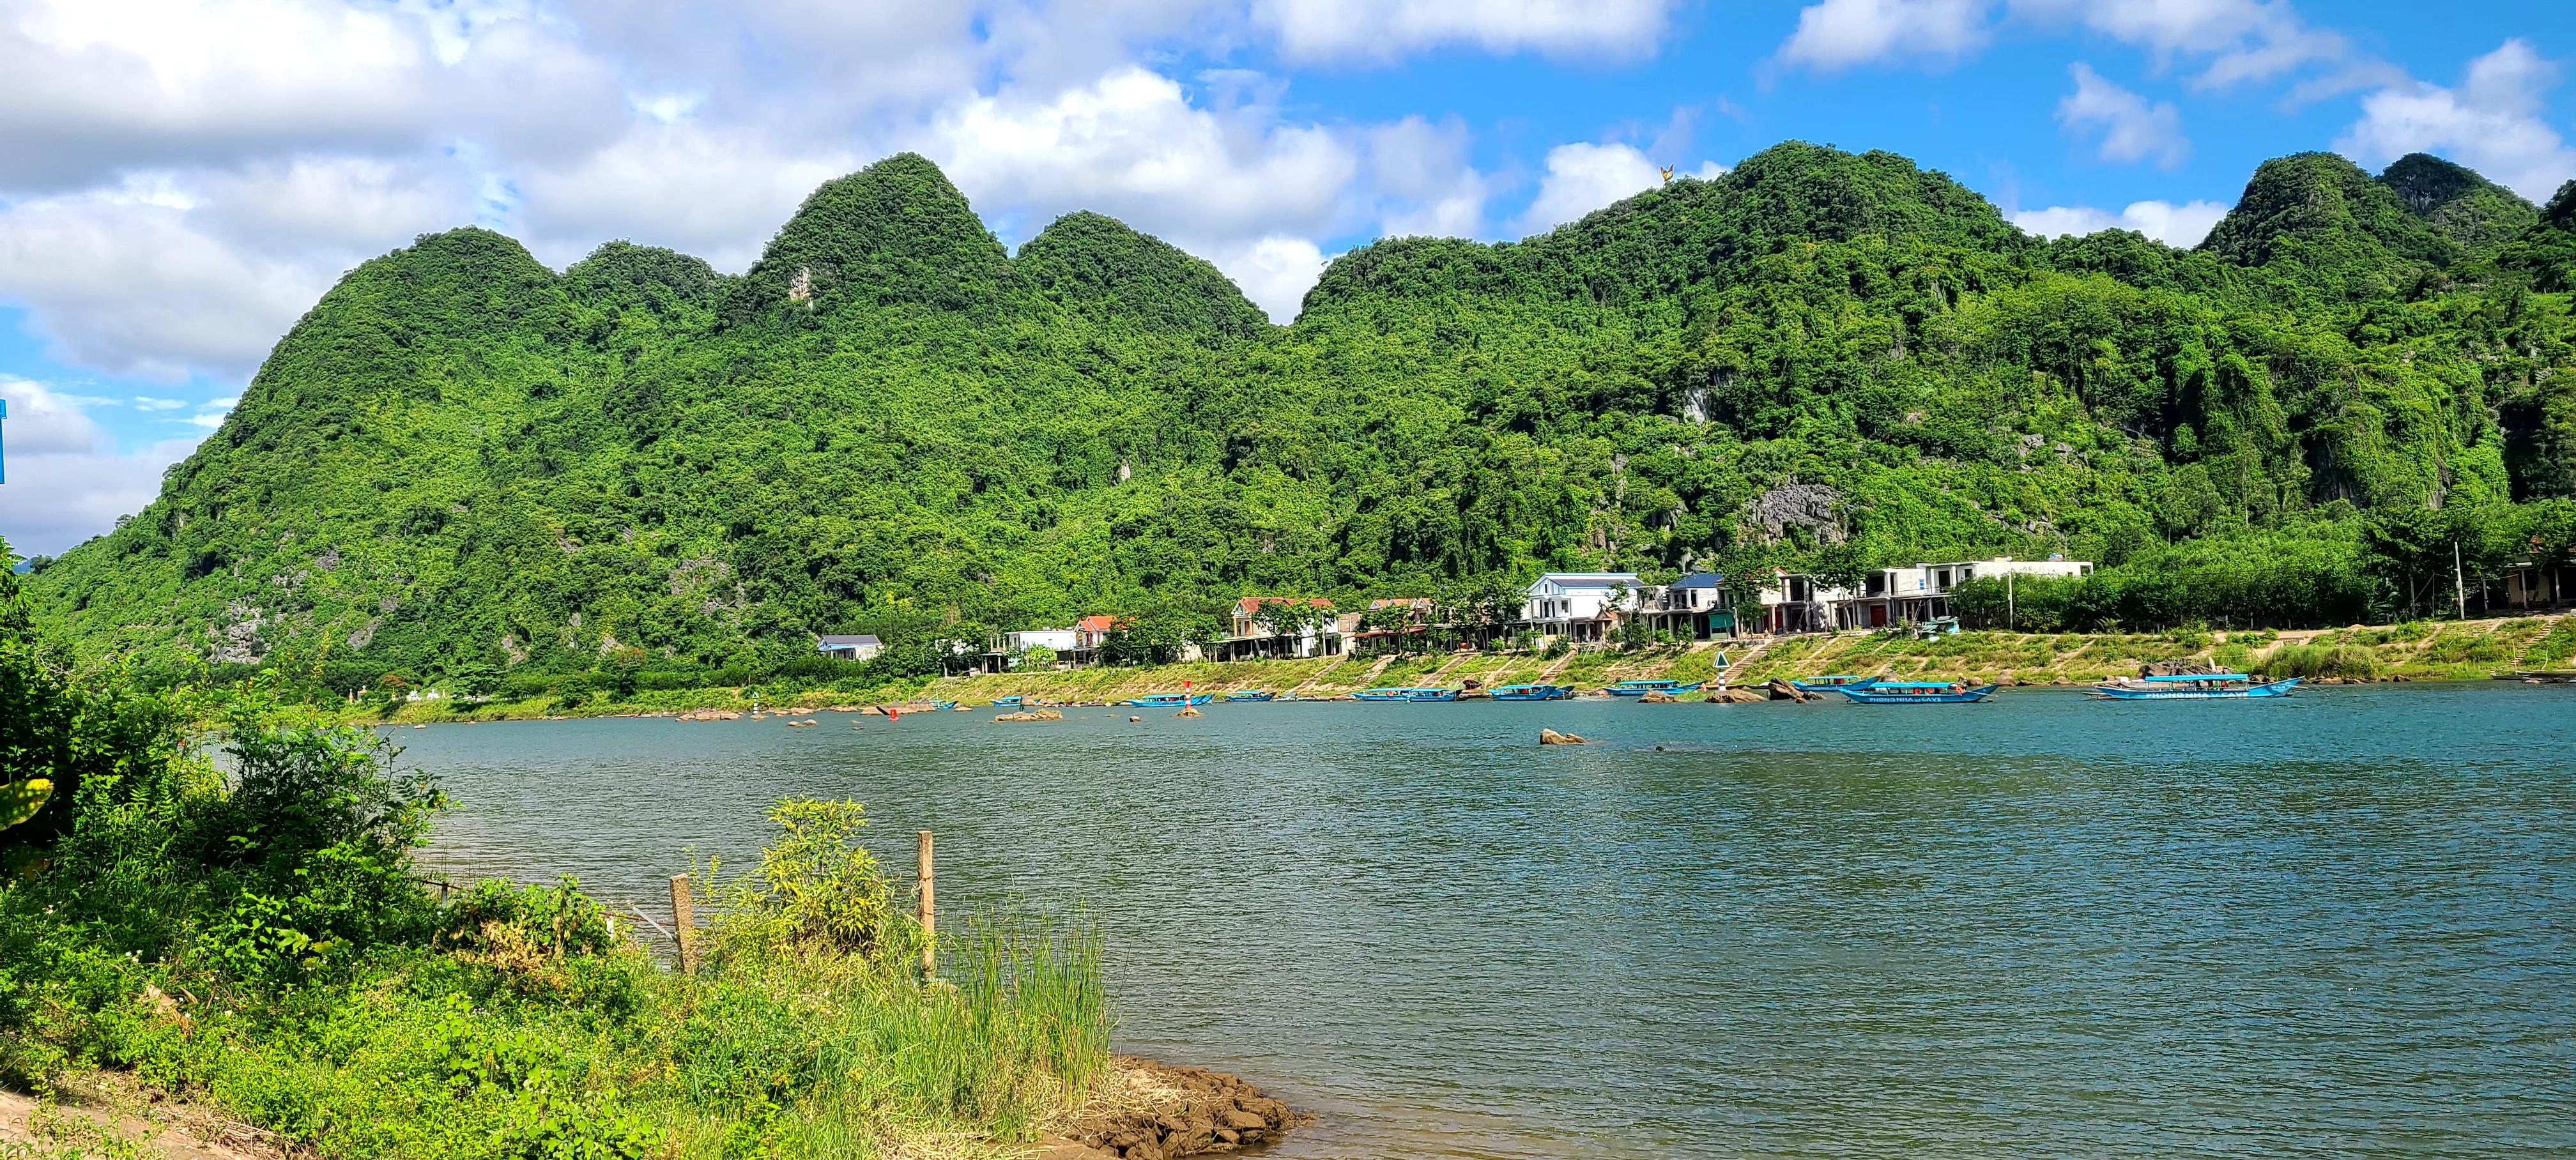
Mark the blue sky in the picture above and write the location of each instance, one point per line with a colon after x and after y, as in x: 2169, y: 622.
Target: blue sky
x: 179, y: 179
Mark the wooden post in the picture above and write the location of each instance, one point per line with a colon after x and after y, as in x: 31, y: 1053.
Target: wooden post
x: 929, y: 914
x: 684, y: 924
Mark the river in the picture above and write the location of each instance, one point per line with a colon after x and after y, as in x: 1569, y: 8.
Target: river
x: 2340, y: 924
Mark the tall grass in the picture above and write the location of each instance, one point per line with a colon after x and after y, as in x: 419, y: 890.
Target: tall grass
x: 2312, y: 662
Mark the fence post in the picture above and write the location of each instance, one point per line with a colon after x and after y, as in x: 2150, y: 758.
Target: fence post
x: 929, y: 914
x: 684, y: 924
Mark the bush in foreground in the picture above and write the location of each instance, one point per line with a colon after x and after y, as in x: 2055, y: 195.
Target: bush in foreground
x: 246, y: 931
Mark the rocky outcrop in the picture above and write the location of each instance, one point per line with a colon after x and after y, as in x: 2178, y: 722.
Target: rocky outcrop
x: 1737, y: 696
x: 1552, y: 737
x: 710, y: 715
x: 1784, y: 691
x: 1657, y: 698
x: 1153, y: 1111
x: 1034, y: 715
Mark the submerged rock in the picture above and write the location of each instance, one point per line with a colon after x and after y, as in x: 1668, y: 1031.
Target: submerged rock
x: 1552, y: 737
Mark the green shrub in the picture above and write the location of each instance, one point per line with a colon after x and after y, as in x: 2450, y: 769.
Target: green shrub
x: 2312, y: 662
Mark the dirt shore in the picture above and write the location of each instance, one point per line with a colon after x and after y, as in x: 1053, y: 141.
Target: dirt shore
x: 1159, y: 1111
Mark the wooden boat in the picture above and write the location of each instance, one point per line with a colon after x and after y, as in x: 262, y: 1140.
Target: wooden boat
x: 1915, y: 693
x: 1833, y: 683
x: 1641, y: 688
x: 1407, y: 693
x: 1249, y: 695
x: 2194, y: 687
x: 1169, y: 700
x: 1534, y: 692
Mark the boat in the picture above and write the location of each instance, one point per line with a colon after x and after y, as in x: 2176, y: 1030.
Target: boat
x: 1407, y: 693
x: 1011, y: 702
x: 1169, y: 700
x: 1641, y: 688
x: 943, y: 706
x: 2194, y: 687
x: 1915, y: 693
x: 1534, y: 692
x: 1833, y: 683
x: 1242, y: 695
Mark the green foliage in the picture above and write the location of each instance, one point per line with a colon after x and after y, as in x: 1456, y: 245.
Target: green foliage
x: 465, y: 468
x: 815, y: 891
x: 2317, y: 661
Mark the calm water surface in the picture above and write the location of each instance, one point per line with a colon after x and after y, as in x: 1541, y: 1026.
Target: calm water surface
x: 2340, y: 924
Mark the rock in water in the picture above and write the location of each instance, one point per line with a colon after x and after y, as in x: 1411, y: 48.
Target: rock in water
x: 1189, y: 711
x: 1552, y: 737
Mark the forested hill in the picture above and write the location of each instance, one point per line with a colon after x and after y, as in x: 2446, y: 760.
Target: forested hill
x: 461, y: 464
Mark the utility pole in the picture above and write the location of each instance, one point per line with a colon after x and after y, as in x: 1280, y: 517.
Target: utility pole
x: 2008, y: 600
x: 2459, y: 581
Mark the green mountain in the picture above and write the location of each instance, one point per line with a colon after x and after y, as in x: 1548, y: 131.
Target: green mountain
x: 463, y: 465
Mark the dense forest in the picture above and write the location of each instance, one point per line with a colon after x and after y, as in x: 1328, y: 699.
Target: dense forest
x: 462, y: 466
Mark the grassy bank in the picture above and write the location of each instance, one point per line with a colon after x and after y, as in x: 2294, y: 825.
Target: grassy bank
x: 2418, y: 651
x: 213, y: 894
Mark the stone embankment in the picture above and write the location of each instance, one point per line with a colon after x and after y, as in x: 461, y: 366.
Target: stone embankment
x: 1155, y: 1111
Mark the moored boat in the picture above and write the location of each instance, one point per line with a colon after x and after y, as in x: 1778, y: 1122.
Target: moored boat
x: 1011, y: 702
x: 1915, y: 693
x: 1831, y: 683
x: 1406, y: 693
x: 1641, y: 688
x: 1242, y: 695
x: 1169, y: 700
x: 1534, y: 692
x: 2193, y: 687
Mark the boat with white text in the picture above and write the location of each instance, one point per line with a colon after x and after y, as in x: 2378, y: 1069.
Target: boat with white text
x: 2192, y: 687
x: 1916, y: 693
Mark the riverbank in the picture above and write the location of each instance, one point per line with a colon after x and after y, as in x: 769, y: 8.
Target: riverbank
x: 2417, y: 651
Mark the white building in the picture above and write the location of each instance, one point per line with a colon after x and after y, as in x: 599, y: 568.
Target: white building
x: 849, y: 648
x: 1581, y: 605
x: 1055, y: 640
x: 1922, y: 592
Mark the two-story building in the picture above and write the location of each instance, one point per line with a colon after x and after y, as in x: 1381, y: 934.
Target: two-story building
x: 1280, y: 627
x: 1695, y: 604
x: 1796, y: 602
x: 1921, y: 592
x: 1582, y: 606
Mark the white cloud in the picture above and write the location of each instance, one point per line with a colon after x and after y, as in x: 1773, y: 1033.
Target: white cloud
x: 148, y: 403
x: 1131, y: 145
x: 1386, y: 29
x: 715, y: 192
x: 2493, y: 123
x: 67, y: 480
x: 2181, y: 226
x: 1275, y: 272
x: 1841, y: 33
x: 2240, y: 40
x: 157, y: 276
x: 1582, y: 177
x: 1428, y: 189
x: 2132, y: 129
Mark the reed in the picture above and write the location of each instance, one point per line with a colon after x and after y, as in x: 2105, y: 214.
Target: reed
x: 2312, y: 662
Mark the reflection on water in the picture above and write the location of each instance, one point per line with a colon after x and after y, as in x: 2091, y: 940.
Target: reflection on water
x: 2339, y: 924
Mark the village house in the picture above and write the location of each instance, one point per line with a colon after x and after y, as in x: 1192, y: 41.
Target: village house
x: 1795, y: 602
x: 2528, y: 585
x: 1263, y: 628
x: 1386, y: 622
x: 1581, y: 606
x: 849, y: 648
x: 1695, y: 604
x: 1921, y: 593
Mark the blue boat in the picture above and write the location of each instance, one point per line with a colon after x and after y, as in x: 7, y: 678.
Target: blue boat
x: 1169, y: 700
x: 1534, y: 692
x: 943, y: 706
x: 1248, y: 695
x: 1011, y: 702
x: 1834, y: 683
x: 1916, y: 693
x: 1407, y: 693
x: 2194, y: 687
x: 1641, y: 688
